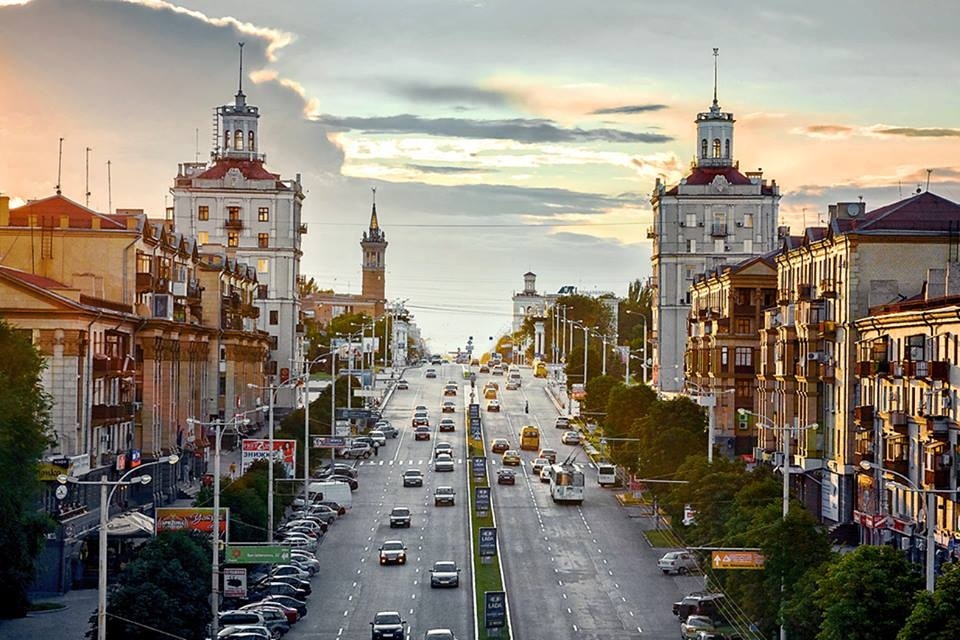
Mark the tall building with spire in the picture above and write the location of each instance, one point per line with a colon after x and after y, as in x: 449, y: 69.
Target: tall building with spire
x: 715, y: 215
x: 374, y: 245
x: 255, y: 215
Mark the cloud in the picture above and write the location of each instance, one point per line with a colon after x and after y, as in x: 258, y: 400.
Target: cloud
x: 629, y: 109
x: 835, y: 131
x: 423, y: 168
x: 527, y: 131
x: 839, y: 131
x: 916, y: 132
x: 450, y: 93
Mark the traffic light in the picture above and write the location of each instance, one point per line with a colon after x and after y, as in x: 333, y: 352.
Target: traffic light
x: 743, y: 420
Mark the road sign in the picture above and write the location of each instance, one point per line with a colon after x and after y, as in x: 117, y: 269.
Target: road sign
x: 474, y: 410
x: 328, y: 442
x: 479, y: 466
x: 482, y: 498
x: 731, y: 559
x: 235, y: 582
x: 366, y: 393
x: 494, y: 609
x: 488, y: 541
x: 257, y: 554
x: 352, y: 414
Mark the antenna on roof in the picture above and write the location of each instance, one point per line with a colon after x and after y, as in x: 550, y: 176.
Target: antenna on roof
x: 109, y: 189
x: 87, y: 172
x: 929, y: 172
x: 59, y: 165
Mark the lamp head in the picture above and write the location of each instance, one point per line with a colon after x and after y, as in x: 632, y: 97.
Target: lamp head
x: 742, y: 412
x: 62, y: 478
x: 145, y: 478
x: 866, y: 465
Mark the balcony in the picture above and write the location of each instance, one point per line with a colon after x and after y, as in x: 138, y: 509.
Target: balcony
x: 828, y: 372
x: 828, y: 288
x: 863, y: 416
x: 938, y: 426
x: 939, y: 370
x: 804, y: 291
x: 909, y: 368
x: 144, y: 282
x: 899, y: 465
x: 233, y: 225
x: 719, y: 229
x: 897, y: 420
x: 828, y: 329
x: 864, y: 368
x: 194, y: 292
x: 938, y: 478
x: 748, y: 369
x: 783, y: 296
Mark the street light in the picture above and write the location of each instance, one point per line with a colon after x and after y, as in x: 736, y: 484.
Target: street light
x: 105, y: 499
x: 707, y: 399
x: 644, y: 318
x: 929, y: 511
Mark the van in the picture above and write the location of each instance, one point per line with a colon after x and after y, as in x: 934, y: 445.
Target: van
x: 336, y: 491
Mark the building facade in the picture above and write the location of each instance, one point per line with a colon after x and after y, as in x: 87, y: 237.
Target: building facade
x: 716, y: 215
x: 234, y: 202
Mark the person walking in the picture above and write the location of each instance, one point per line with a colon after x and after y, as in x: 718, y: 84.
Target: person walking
x: 526, y: 407
x: 376, y: 449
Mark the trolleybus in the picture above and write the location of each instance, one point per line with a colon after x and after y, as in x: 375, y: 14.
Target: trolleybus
x: 566, y: 484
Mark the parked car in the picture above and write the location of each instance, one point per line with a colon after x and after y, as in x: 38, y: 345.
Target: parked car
x: 274, y: 588
x: 562, y: 422
x: 291, y: 614
x: 506, y: 476
x: 388, y: 430
x: 245, y: 632
x: 288, y: 570
x: 413, y: 478
x: 300, y: 606
x: 693, y: 625
x: 399, y: 517
x: 356, y: 450
x: 388, y: 625
x: 393, y: 552
x: 353, y: 483
x: 446, y: 425
x: 703, y: 603
x: 443, y: 495
x: 677, y: 562
x: 445, y: 573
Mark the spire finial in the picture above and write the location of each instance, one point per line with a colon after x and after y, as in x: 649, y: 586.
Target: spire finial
x: 716, y: 54
x: 240, y: 90
x: 374, y: 189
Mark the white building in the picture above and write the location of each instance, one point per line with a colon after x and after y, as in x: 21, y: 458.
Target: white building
x: 235, y: 202
x: 715, y: 215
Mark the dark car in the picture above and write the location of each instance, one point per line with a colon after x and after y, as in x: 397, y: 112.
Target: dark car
x: 506, y: 476
x: 388, y: 625
x: 413, y: 478
x: 293, y: 581
x: 352, y: 482
x: 562, y: 422
x: 399, y: 517
x: 275, y: 588
x: 499, y: 445
x: 339, y: 468
x: 300, y: 606
x: 421, y: 433
x: 446, y: 425
x: 445, y: 573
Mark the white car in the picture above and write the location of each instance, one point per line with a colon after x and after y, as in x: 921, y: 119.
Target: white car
x: 443, y: 462
x: 677, y: 562
x: 379, y: 437
x: 545, y: 474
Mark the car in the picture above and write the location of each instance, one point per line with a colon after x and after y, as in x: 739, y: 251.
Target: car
x: 400, y: 517
x: 334, y: 506
x: 693, y: 625
x: 342, y: 468
x: 506, y: 476
x: 379, y: 437
x: 443, y: 495
x: 511, y: 458
x: 449, y: 406
x: 570, y: 437
x: 443, y: 462
x: 290, y: 613
x: 276, y: 620
x: 275, y: 588
x: 310, y: 565
x: 677, y: 562
x: 484, y: 369
x: 562, y: 422
x: 393, y: 552
x: 300, y: 606
x: 402, y: 385
x: 421, y: 433
x: 545, y: 474
x: 446, y: 425
x: 499, y: 445
x: 497, y: 370
x: 388, y: 625
x: 356, y: 450
x: 420, y: 407
x: 493, y: 405
x: 368, y: 439
x: 443, y: 447
x: 445, y: 573
x: 549, y: 454
x: 388, y: 430
x: 538, y: 464
x: 353, y: 483
x: 701, y: 603
x: 288, y: 570
x: 489, y: 393
x: 430, y: 373
x: 512, y: 385
x: 420, y: 419
x: 450, y: 390
x: 246, y: 632
x: 413, y: 478
x: 296, y: 583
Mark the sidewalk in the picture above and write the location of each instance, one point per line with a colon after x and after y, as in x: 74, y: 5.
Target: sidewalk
x: 70, y: 623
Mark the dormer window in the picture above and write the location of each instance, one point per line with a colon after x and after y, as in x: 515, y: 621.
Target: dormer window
x: 716, y: 147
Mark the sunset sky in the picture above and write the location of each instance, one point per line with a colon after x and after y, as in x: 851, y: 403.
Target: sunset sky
x: 502, y: 135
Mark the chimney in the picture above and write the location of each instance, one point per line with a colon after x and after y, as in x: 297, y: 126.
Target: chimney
x: 936, y: 283
x: 4, y: 211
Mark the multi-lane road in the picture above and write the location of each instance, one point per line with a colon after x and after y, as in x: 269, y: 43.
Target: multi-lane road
x: 578, y: 572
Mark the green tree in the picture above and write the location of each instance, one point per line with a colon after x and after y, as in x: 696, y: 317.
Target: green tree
x: 669, y: 432
x: 24, y: 436
x: 867, y: 595
x: 574, y: 366
x: 164, y: 591
x: 634, y: 310
x: 598, y: 392
x: 801, y: 614
x: 934, y: 616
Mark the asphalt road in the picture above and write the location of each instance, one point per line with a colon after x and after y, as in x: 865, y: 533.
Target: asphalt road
x: 578, y: 572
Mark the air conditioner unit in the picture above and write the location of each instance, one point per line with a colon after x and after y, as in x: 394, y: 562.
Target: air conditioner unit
x: 814, y: 356
x: 946, y: 460
x: 179, y: 289
x: 137, y: 406
x: 682, y: 223
x: 162, y: 306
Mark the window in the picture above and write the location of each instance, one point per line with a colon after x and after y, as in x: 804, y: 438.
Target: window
x: 203, y: 212
x: 233, y: 239
x: 252, y: 147
x: 274, y: 343
x: 748, y: 220
x: 744, y: 325
x: 203, y: 237
x: 263, y: 240
x: 716, y: 147
x: 233, y: 214
x: 262, y: 292
x: 744, y: 389
x: 238, y: 140
x: 263, y: 266
x: 724, y: 356
x: 748, y: 246
x: 263, y: 214
x: 726, y: 152
x: 703, y: 148
x: 691, y: 220
x: 691, y: 246
x: 915, y: 347
x: 274, y: 317
x: 719, y: 245
x: 226, y: 139
x: 743, y: 356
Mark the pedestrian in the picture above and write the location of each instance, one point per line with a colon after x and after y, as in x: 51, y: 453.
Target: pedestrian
x: 526, y: 407
x: 376, y: 449
x: 233, y: 470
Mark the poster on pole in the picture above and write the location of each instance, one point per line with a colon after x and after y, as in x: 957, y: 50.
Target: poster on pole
x: 234, y: 582
x: 254, y: 449
x: 488, y: 541
x: 494, y: 609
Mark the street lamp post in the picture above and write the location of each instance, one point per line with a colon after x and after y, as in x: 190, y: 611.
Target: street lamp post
x: 644, y: 318
x: 105, y: 498
x: 273, y: 389
x: 708, y: 399
x: 930, y: 496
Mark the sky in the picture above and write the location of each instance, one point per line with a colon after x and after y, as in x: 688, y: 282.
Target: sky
x: 503, y: 136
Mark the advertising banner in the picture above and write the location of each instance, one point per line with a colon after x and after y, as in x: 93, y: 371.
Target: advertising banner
x: 494, y: 609
x: 482, y: 498
x: 234, y: 582
x: 190, y: 519
x: 488, y: 541
x: 352, y: 414
x: 254, y: 449
x: 479, y: 466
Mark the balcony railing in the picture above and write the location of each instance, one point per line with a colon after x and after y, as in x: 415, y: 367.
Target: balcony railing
x: 828, y: 288
x: 719, y: 229
x: 939, y: 370
x: 828, y: 329
x: 938, y: 478
x: 233, y: 225
x: 863, y: 415
x: 898, y: 421
x: 899, y: 465
x: 803, y: 291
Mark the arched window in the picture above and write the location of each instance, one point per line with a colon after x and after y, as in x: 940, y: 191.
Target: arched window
x: 251, y: 146
x: 703, y: 148
x: 726, y: 152
x: 226, y: 139
x: 716, y: 147
x: 238, y: 140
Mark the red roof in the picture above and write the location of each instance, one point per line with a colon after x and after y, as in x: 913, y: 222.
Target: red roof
x: 705, y: 175
x: 251, y: 170
x: 923, y: 212
x: 31, y: 278
x: 58, y: 206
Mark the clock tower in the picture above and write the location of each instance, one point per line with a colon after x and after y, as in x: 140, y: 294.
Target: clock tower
x: 374, y: 245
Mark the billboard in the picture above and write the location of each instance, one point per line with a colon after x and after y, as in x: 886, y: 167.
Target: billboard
x: 189, y: 519
x: 254, y: 449
x: 488, y: 541
x: 494, y: 609
x: 234, y: 582
x: 482, y: 498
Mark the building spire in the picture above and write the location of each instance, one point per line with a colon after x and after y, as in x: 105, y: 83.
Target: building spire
x: 240, y: 82
x: 716, y: 54
x: 374, y: 223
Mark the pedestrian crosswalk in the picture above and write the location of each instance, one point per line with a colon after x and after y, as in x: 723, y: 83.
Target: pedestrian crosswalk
x: 427, y: 461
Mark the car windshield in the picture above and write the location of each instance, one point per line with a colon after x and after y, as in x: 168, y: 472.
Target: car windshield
x: 400, y: 511
x: 394, y: 545
x: 444, y: 490
x: 387, y: 618
x: 445, y: 567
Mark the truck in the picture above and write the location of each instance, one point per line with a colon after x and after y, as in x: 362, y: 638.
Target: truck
x: 332, y: 490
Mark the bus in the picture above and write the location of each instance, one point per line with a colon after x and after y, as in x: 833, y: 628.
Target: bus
x: 530, y: 438
x: 566, y: 484
x: 539, y: 369
x: 606, y: 474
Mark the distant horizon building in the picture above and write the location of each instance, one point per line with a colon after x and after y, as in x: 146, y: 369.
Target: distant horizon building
x: 716, y: 215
